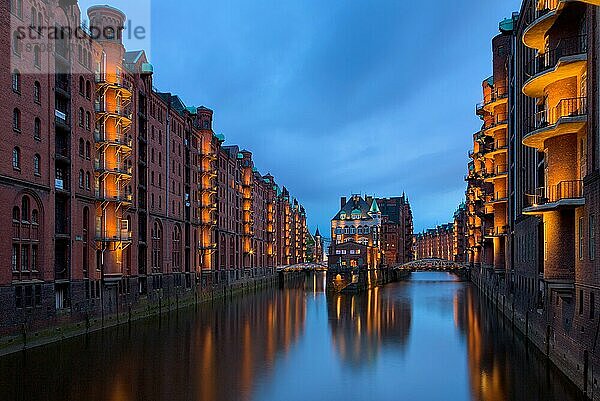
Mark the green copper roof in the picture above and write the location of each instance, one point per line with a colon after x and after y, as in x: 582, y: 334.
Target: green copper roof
x: 191, y: 109
x: 147, y: 68
x: 220, y: 137
x: 374, y: 207
x: 240, y: 156
x: 490, y: 81
x: 356, y: 211
x: 507, y: 25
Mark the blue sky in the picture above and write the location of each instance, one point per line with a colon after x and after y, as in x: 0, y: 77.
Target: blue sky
x: 337, y: 97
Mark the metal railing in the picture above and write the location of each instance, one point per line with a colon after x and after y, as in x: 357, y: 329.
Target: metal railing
x: 119, y: 139
x: 571, y: 189
x: 571, y: 107
x: 495, y: 95
x: 566, y: 47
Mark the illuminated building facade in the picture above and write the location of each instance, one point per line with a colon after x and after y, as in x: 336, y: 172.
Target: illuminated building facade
x: 396, y: 229
x: 116, y: 192
x: 435, y: 243
x: 533, y: 187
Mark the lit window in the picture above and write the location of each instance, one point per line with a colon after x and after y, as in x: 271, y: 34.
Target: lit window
x: 16, y: 81
x: 16, y: 159
x: 36, y: 164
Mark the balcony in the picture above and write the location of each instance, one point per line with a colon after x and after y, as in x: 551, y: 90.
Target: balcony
x: 114, y: 81
x: 114, y: 196
x: 498, y: 147
x: 566, y: 60
x: 62, y: 84
x: 569, y: 116
x: 123, y: 235
x: 500, y: 121
x: 542, y: 18
x: 106, y: 168
x: 62, y: 119
x: 565, y: 194
x: 496, y: 97
x: 499, y: 171
x: 119, y: 113
x: 116, y: 140
x: 493, y: 232
x: 498, y: 197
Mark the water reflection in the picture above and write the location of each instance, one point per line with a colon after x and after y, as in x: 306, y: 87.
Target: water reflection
x: 432, y: 338
x: 362, y: 324
x: 502, y: 366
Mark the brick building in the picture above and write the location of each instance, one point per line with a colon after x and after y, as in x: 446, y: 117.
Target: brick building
x: 115, y: 191
x: 396, y: 230
x: 383, y: 225
x: 435, y: 243
x: 533, y: 184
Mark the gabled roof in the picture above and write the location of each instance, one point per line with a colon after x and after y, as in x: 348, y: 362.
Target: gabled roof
x: 355, y: 204
x: 374, y: 207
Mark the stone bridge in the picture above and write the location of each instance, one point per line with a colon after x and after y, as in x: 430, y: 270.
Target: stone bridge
x: 432, y: 265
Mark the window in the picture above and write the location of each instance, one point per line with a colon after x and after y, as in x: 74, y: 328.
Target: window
x: 16, y: 159
x: 592, y: 237
x: 16, y: 81
x: 16, y: 44
x: 80, y: 178
x: 88, y: 90
x: 15, y: 258
x: 81, y: 80
x: 36, y: 164
x: 581, y: 238
x: 81, y: 147
x: 37, y: 92
x: 16, y: 7
x: 80, y: 115
x: 88, y: 150
x: 16, y: 214
x: 37, y: 128
x: 156, y: 247
x: 581, y: 302
x: 87, y: 180
x: 17, y: 120
x: 37, y: 59
x: 25, y: 209
x: 88, y: 118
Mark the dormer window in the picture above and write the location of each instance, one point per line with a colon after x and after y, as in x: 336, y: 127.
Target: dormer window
x: 355, y: 216
x: 343, y: 216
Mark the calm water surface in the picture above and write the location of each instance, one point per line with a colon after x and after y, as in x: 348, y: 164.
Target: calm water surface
x: 431, y: 338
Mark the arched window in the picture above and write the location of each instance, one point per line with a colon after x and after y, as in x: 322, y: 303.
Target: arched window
x: 81, y: 179
x: 17, y: 120
x: 87, y: 180
x: 37, y: 92
x: 176, y: 248
x: 36, y: 164
x: 88, y: 150
x: 156, y: 247
x: 16, y: 214
x: 16, y: 159
x: 37, y: 128
x: 88, y: 90
x: 16, y: 81
x: 33, y: 17
x: 81, y: 147
x: 35, y: 217
x: 88, y: 118
x: 81, y: 118
x: 85, y: 229
x: 25, y: 209
x: 81, y: 80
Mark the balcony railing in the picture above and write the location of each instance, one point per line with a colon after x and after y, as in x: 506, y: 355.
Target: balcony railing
x: 500, y: 144
x: 572, y: 107
x: 564, y: 190
x: 542, y: 7
x: 566, y: 47
x: 495, y: 95
x: 62, y: 117
x: 496, y: 231
x: 117, y: 139
x: 113, y: 195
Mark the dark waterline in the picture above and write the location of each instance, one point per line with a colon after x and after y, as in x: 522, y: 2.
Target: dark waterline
x: 431, y: 338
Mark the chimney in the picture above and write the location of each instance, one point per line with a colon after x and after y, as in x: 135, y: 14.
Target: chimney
x: 343, y: 202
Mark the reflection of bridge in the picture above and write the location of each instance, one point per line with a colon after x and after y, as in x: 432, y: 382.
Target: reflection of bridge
x: 309, y: 267
x: 432, y: 264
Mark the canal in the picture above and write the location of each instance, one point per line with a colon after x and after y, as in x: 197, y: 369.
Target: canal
x: 429, y: 338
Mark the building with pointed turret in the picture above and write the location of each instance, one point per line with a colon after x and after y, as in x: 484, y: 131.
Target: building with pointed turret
x: 318, y: 255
